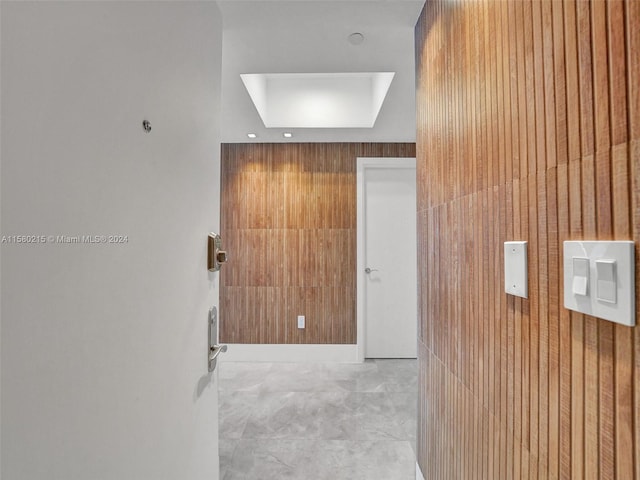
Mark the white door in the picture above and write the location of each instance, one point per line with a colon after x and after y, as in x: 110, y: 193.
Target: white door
x: 104, y: 342
x: 387, y: 257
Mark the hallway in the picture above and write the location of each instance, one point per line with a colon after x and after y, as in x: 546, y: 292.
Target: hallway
x: 318, y: 421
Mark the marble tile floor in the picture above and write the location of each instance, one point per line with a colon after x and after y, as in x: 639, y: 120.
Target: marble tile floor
x: 306, y: 421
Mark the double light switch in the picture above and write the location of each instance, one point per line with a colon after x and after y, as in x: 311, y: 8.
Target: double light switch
x: 599, y: 279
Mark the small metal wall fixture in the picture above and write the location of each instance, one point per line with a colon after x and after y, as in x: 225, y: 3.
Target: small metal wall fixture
x: 216, y: 256
x: 146, y: 125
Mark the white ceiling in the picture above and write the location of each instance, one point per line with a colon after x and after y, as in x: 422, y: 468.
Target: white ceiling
x: 310, y: 36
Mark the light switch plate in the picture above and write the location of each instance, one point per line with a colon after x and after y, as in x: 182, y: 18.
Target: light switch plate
x: 515, y: 269
x: 611, y: 283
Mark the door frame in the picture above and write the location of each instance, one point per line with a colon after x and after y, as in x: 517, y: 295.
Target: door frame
x: 362, y: 165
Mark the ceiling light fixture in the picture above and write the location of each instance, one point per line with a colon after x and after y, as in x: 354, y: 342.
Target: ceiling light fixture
x: 287, y: 135
x: 318, y: 100
x: 251, y: 135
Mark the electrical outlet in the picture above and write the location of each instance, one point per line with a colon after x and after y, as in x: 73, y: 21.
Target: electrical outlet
x: 300, y: 321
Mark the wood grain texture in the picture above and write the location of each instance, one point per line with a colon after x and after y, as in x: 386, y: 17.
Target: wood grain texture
x: 528, y: 129
x: 289, y: 224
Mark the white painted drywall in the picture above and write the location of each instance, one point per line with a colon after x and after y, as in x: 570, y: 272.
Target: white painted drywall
x: 104, y: 372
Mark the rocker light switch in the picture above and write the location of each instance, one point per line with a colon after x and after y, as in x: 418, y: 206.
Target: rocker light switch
x: 580, y: 276
x: 599, y: 279
x: 606, y: 271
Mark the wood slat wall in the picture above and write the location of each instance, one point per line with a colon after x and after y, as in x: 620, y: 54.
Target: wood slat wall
x: 528, y: 129
x: 289, y: 223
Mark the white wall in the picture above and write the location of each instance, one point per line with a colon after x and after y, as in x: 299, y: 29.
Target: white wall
x: 103, y: 354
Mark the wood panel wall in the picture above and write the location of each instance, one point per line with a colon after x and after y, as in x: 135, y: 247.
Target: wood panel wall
x: 528, y: 129
x: 289, y: 223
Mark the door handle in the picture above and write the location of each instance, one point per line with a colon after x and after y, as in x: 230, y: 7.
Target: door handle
x: 214, y: 348
x: 215, y: 351
x: 369, y: 270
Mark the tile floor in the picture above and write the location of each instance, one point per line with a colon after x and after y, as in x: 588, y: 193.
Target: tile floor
x: 318, y: 421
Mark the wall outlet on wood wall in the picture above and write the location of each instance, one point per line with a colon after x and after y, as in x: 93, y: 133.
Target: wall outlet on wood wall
x: 300, y: 321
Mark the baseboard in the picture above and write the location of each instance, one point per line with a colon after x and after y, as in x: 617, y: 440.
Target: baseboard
x: 419, y: 475
x: 243, y: 352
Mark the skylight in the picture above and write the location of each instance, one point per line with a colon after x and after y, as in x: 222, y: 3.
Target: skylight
x: 318, y: 100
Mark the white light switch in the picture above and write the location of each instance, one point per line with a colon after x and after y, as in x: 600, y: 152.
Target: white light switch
x: 606, y: 271
x: 515, y: 269
x: 580, y: 276
x: 599, y: 280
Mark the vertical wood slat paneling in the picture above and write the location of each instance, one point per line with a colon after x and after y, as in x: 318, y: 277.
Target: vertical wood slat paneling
x: 289, y: 222
x: 528, y: 128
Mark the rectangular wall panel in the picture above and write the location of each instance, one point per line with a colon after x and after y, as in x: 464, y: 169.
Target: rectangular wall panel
x: 527, y: 115
x: 288, y: 222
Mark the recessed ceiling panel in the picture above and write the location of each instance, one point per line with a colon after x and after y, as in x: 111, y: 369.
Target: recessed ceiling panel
x: 318, y: 100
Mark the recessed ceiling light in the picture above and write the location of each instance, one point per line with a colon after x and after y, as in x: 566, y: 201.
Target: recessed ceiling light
x: 318, y: 100
x: 251, y: 135
x: 287, y: 135
x: 356, y: 38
